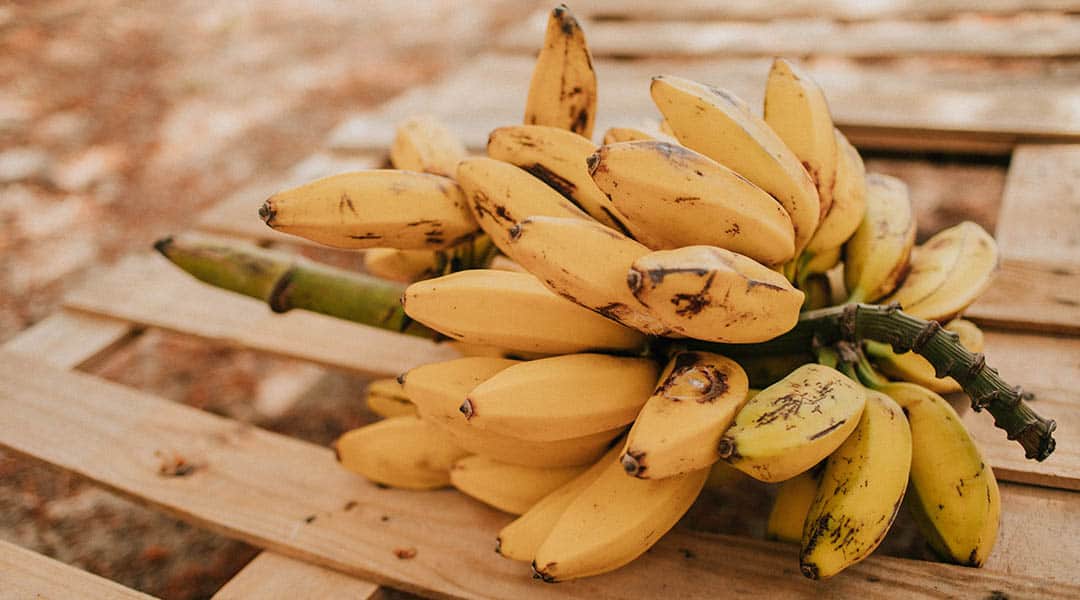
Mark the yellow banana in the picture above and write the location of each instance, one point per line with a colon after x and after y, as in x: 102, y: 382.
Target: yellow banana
x: 860, y: 492
x: 793, y: 424
x: 679, y: 428
x: 822, y: 262
x: 818, y: 290
x: 371, y: 209
x: 681, y: 198
x: 721, y: 126
x: 552, y: 249
x: 709, y: 293
x: 848, y: 201
x: 562, y: 92
x: 613, y: 521
x: 949, y: 272
x: 912, y: 367
x: 795, y: 108
x: 402, y: 452
x: 406, y: 266
x: 876, y: 256
x: 561, y: 397
x: 514, y: 311
x: 953, y: 493
x: 509, y: 488
x: 792, y: 502
x: 615, y: 135
x: 386, y: 398
x: 556, y: 157
x: 424, y: 144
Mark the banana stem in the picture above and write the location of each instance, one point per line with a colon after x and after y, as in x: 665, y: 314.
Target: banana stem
x: 888, y: 324
x: 286, y: 282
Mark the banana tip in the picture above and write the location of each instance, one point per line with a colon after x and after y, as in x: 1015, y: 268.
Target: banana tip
x: 163, y: 245
x: 593, y: 161
x: 267, y: 212
x: 630, y: 464
x: 467, y: 409
x: 810, y: 571
x: 634, y: 280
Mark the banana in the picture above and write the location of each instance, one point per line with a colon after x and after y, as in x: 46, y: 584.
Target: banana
x: 439, y: 389
x: 386, y: 398
x: 721, y: 126
x: 562, y: 92
x: 953, y: 493
x: 403, y: 452
x: 405, y: 266
x: 678, y: 429
x: 521, y: 538
x: 848, y: 201
x: 509, y: 488
x: 552, y: 248
x: 556, y: 157
x: 860, y: 492
x: 682, y: 198
x: 912, y: 367
x: 561, y: 397
x: 795, y: 108
x: 513, y: 311
x: 764, y: 370
x: 615, y: 135
x: 949, y: 272
x: 376, y: 208
x: 424, y: 144
x: 714, y: 294
x: 792, y: 502
x: 613, y: 521
x: 501, y: 195
x: 818, y: 291
x: 793, y: 424
x: 821, y: 263
x: 876, y: 256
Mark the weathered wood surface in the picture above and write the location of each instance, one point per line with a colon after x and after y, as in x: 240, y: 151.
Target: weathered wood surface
x: 843, y: 10
x: 272, y: 576
x: 26, y: 575
x: 291, y: 497
x: 69, y: 339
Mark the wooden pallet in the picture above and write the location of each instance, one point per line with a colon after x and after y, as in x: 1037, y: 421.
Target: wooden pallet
x: 329, y: 533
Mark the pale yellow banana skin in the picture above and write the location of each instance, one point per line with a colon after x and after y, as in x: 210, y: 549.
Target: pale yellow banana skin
x: 556, y: 157
x: 848, y: 202
x: 521, y: 538
x: 913, y: 368
x: 793, y: 424
x: 822, y: 262
x: 876, y: 256
x: 719, y: 125
x: 953, y: 493
x: 513, y: 311
x: 423, y: 143
x: 860, y: 491
x: 792, y: 502
x: 552, y: 249
x: 377, y: 208
x: 562, y: 92
x: 713, y: 294
x: 405, y: 266
x: 679, y: 428
x: 613, y: 521
x: 948, y: 272
x: 615, y: 135
x: 682, y: 198
x: 561, y: 397
x: 386, y: 398
x: 403, y: 452
x: 795, y: 108
x: 509, y: 488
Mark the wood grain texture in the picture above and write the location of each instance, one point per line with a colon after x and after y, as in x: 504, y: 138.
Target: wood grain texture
x: 151, y: 291
x: 272, y: 576
x: 26, y: 575
x: 844, y: 10
x: 69, y: 339
x: 940, y: 107
x: 292, y: 498
x: 1032, y: 296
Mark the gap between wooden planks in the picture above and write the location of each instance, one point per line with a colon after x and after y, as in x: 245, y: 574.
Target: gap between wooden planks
x: 291, y: 497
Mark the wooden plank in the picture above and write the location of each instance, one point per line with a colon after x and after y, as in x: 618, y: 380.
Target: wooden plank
x: 1032, y: 296
x: 1028, y: 36
x: 1033, y: 520
x: 69, y: 339
x: 151, y: 291
x: 25, y: 574
x: 272, y: 576
x: 292, y: 498
x: 881, y: 106
x: 844, y: 10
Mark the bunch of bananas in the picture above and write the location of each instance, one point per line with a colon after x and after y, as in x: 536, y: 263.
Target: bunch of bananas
x: 623, y: 347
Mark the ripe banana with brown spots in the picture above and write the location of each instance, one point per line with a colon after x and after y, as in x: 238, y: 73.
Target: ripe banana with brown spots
x: 423, y: 143
x: 509, y: 488
x: 562, y: 92
x: 848, y: 203
x: 403, y: 452
x: 876, y: 256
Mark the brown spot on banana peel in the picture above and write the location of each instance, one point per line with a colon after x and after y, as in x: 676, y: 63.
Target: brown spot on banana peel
x: 542, y: 574
x: 267, y: 212
x: 826, y: 431
x: 346, y: 202
x: 633, y: 462
x: 557, y: 182
x: 593, y: 162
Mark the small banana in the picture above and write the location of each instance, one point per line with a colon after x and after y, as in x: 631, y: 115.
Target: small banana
x: 709, y: 293
x: 953, y: 493
x: 822, y: 262
x: 848, y: 201
x: 513, y: 311
x: 613, y: 521
x: 679, y: 428
x: 949, y: 272
x: 876, y: 256
x: 860, y: 492
x: 562, y: 92
x: 793, y: 424
x: 793, y: 500
x: 556, y: 157
x: 561, y: 397
x: 376, y: 208
x: 405, y: 266
x: 818, y: 290
x: 912, y: 367
x: 386, y: 398
x: 402, y: 452
x: 509, y: 488
x: 681, y: 198
x: 424, y: 144
x: 615, y: 135
x: 719, y: 125
x: 795, y: 108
